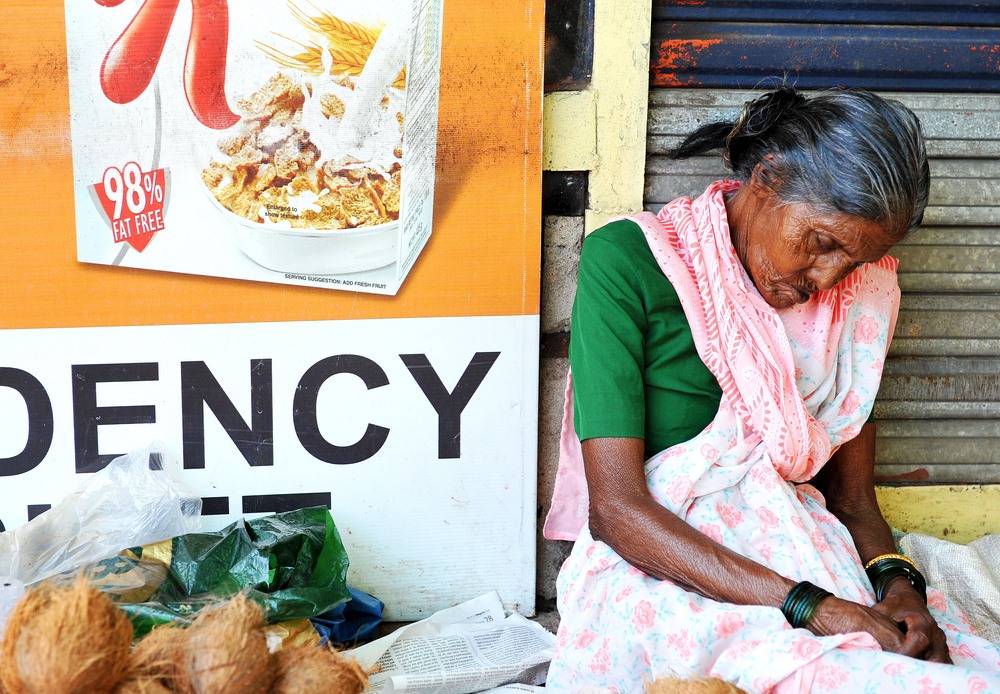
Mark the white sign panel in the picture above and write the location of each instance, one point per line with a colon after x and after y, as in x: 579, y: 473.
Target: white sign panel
x: 418, y: 433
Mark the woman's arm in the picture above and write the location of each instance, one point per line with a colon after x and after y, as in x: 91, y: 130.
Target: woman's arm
x: 625, y: 516
x: 848, y: 483
x: 650, y: 537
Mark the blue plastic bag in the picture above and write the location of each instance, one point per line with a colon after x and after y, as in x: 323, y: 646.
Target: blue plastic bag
x: 354, y: 620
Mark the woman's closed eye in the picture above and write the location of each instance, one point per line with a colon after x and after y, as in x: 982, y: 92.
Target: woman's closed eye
x: 826, y: 244
x: 829, y: 246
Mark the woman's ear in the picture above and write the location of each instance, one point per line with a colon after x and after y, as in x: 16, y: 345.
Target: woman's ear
x: 766, y: 171
x: 760, y: 187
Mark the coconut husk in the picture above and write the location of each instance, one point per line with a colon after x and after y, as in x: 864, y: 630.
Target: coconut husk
x: 140, y: 686
x: 158, y: 661
x: 320, y: 669
x: 71, y: 640
x: 226, y: 650
x: 706, y: 685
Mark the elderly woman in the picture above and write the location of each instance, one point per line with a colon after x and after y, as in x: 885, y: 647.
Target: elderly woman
x: 725, y: 356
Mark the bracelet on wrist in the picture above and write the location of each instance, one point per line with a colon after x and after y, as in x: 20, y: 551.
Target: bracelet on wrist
x: 801, y: 602
x: 901, y: 557
x: 885, y: 569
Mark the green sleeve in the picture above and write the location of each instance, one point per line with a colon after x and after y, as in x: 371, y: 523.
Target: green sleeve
x: 606, y: 343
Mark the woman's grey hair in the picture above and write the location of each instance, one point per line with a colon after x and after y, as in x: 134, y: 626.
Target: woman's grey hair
x: 841, y: 150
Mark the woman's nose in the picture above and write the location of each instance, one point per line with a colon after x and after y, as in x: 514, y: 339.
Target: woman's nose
x: 828, y: 275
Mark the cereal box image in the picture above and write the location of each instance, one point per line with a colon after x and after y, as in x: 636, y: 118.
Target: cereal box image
x: 290, y: 142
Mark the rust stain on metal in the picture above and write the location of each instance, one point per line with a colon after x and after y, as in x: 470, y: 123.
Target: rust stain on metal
x: 990, y: 54
x: 675, y: 56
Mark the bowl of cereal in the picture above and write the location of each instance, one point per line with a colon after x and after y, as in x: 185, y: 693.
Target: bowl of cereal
x: 291, y: 209
x: 315, y: 251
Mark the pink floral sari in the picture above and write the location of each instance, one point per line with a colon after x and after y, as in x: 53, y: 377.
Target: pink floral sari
x: 796, y: 383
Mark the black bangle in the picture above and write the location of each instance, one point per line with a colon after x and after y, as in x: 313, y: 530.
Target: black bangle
x: 801, y: 602
x: 884, y: 571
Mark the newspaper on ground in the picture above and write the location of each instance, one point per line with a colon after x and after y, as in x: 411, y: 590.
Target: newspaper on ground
x: 472, y: 647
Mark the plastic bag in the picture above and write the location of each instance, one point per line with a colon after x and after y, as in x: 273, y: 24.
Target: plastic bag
x: 133, y: 501
x: 11, y: 592
x: 355, y: 620
x: 293, y: 564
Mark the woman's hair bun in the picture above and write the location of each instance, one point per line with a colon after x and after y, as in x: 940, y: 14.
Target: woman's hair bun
x: 842, y: 150
x: 756, y: 120
x: 735, y: 138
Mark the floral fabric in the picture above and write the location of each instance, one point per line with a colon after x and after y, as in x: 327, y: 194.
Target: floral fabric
x: 797, y: 383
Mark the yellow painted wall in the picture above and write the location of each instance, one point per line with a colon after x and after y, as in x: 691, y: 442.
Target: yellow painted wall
x: 958, y: 513
x: 602, y: 129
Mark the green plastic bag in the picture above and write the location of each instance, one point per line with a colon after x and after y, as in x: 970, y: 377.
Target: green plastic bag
x: 292, y: 564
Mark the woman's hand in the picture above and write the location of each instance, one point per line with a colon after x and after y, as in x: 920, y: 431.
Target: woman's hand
x: 900, y: 623
x: 836, y: 616
x: 904, y: 606
x: 848, y: 482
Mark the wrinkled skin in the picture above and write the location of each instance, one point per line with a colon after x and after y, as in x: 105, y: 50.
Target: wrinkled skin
x: 791, y: 251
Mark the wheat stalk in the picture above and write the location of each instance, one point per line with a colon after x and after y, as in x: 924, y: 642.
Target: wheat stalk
x: 309, y: 60
x: 336, y: 30
x: 349, y: 43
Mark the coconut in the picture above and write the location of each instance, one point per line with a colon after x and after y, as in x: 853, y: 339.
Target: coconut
x: 320, y: 669
x: 158, y: 661
x: 226, y: 650
x: 141, y: 686
x: 707, y: 685
x: 71, y: 640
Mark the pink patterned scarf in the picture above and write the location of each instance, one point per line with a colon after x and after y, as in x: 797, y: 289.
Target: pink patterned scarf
x: 742, y: 340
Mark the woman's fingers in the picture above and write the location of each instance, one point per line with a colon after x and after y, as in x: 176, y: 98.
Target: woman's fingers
x: 922, y: 629
x: 916, y: 635
x: 924, y: 639
x: 926, y: 642
x: 836, y: 616
x: 916, y: 641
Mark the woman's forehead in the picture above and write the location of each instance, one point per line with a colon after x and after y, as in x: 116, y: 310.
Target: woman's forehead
x: 864, y: 237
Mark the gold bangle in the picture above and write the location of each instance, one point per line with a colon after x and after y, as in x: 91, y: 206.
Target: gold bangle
x: 889, y: 556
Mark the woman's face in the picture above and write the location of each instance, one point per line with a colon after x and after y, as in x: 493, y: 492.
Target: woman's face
x: 791, y: 251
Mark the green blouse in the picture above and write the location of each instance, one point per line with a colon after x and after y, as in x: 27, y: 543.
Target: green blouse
x: 636, y: 372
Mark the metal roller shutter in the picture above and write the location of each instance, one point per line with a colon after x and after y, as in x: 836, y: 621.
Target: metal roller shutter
x: 898, y: 45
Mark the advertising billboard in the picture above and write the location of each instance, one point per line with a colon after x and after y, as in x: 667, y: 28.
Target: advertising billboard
x: 193, y: 265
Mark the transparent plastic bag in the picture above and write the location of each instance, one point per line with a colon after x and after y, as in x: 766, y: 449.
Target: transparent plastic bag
x: 11, y: 591
x: 134, y: 501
